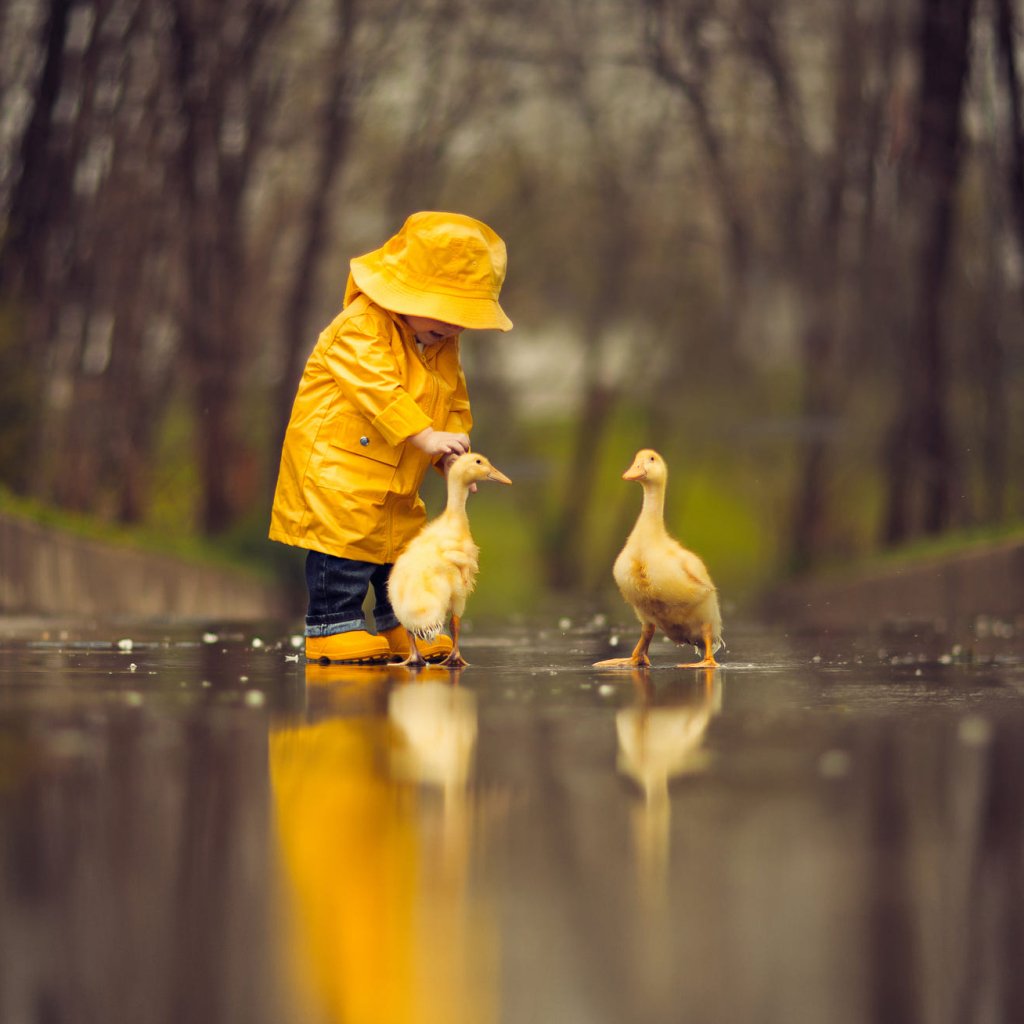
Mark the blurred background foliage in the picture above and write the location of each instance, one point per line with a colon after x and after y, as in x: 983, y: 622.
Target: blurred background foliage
x: 782, y: 241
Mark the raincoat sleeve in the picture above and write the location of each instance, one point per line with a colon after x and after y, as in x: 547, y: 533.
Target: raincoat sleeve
x: 360, y: 359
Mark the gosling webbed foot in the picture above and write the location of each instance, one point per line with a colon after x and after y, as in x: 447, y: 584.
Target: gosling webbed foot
x: 415, y: 661
x: 706, y: 663
x: 642, y: 662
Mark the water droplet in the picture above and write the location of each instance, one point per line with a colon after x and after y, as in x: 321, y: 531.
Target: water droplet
x: 974, y: 731
x: 834, y: 764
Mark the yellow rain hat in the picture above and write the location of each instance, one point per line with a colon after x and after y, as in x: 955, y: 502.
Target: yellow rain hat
x: 444, y: 266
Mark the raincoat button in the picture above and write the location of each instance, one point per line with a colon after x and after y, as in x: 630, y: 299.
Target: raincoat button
x: 364, y: 440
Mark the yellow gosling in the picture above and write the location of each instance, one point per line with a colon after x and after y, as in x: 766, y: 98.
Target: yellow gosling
x: 667, y: 586
x: 434, y: 576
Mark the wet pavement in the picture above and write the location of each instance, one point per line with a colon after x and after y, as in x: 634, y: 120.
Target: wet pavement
x: 196, y: 826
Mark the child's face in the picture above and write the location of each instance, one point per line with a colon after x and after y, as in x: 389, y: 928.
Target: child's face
x: 430, y: 332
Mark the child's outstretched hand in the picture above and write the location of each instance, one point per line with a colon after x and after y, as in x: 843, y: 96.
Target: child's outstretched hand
x: 440, y: 442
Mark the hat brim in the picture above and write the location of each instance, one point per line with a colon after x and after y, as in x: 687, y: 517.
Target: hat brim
x: 469, y: 311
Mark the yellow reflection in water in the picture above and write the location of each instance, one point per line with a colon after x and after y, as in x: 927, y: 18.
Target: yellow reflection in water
x: 657, y: 743
x: 374, y: 820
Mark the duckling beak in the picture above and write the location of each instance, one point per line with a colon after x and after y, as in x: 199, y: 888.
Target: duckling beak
x: 635, y: 472
x: 497, y: 476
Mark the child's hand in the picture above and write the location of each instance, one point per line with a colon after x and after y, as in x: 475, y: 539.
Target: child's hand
x: 440, y: 442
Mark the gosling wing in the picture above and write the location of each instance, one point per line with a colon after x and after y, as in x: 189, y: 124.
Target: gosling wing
x: 687, y: 579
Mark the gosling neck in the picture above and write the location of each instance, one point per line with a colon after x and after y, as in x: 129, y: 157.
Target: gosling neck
x: 458, y: 492
x: 653, y: 510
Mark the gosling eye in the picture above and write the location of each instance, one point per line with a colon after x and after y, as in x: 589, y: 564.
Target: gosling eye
x: 478, y: 462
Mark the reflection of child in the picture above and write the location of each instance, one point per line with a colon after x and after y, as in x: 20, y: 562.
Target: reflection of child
x: 382, y: 398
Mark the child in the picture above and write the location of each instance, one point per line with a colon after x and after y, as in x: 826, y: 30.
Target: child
x: 382, y: 398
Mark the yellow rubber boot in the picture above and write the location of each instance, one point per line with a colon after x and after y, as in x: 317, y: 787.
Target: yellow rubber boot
x: 431, y: 650
x: 356, y: 646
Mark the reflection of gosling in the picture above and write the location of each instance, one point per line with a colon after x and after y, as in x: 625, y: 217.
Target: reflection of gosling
x: 657, y: 744
x: 667, y: 586
x: 661, y: 743
x: 433, y: 577
x: 436, y: 725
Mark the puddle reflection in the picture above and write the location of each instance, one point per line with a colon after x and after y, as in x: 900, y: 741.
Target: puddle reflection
x: 660, y: 738
x: 202, y: 829
x: 375, y: 821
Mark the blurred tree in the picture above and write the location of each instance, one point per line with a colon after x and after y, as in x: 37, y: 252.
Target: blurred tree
x: 922, y: 469
x: 117, y: 290
x: 22, y: 254
x: 582, y: 256
x: 730, y: 227
x: 603, y: 305
x: 678, y: 36
x: 999, y: 423
x: 1007, y: 32
x: 223, y: 93
x: 450, y: 85
x: 37, y: 207
x: 826, y: 163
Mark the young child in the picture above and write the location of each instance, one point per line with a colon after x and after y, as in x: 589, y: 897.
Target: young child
x: 382, y: 398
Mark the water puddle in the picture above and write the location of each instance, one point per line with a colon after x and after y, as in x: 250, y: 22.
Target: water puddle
x: 196, y: 825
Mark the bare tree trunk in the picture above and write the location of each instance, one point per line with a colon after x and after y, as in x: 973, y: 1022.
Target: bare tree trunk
x: 39, y: 194
x: 991, y: 388
x: 818, y: 260
x: 1006, y: 36
x: 921, y: 463
x: 223, y: 107
x: 566, y: 535
x: 995, y: 440
x: 38, y: 204
x: 566, y: 540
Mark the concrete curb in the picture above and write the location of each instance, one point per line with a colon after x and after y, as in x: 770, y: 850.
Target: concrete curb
x: 44, y: 571
x: 953, y: 592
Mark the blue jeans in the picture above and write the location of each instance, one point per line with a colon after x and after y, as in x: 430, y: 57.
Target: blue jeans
x: 337, y: 589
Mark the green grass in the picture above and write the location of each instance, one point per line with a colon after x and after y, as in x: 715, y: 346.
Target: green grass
x: 946, y: 545
x: 185, y: 547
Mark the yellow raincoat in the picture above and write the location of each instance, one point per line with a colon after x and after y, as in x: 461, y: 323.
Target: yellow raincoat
x: 349, y: 480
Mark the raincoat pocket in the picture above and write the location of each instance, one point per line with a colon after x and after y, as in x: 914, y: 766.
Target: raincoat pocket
x: 359, y: 461
x: 354, y: 434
